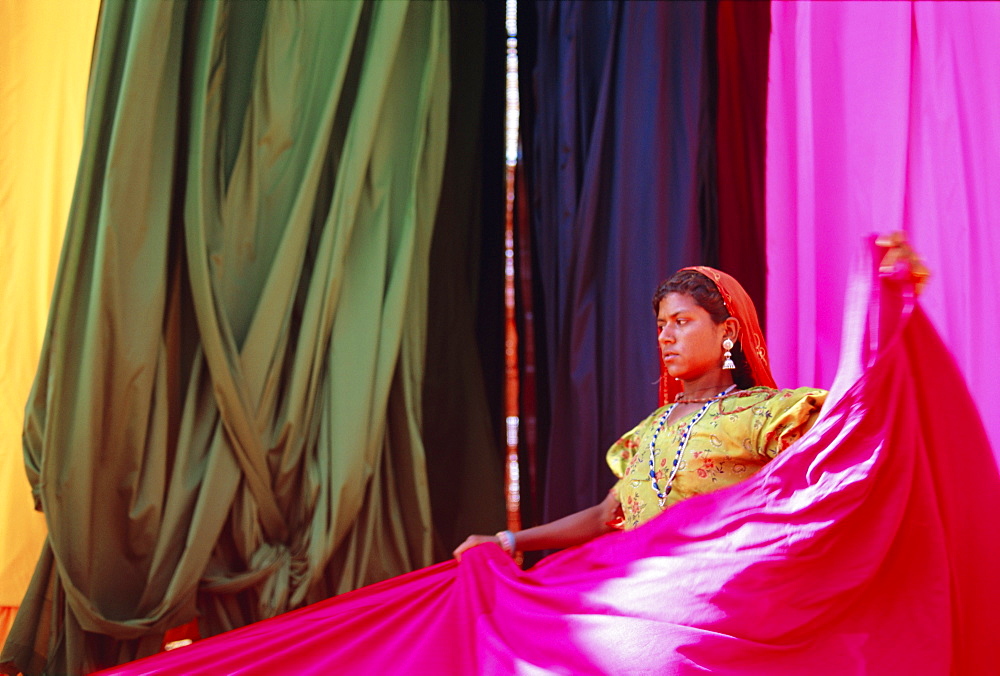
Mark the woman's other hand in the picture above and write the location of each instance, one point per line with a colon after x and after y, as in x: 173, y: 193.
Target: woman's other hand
x: 472, y: 541
x: 901, y: 262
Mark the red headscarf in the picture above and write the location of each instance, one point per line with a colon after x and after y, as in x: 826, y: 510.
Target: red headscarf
x: 751, y: 338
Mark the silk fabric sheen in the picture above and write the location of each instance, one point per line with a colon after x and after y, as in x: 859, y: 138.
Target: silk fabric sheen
x: 883, y: 116
x: 859, y: 550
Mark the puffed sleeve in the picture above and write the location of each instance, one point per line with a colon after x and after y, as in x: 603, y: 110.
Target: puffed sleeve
x: 787, y: 416
x: 623, y: 450
x: 622, y: 457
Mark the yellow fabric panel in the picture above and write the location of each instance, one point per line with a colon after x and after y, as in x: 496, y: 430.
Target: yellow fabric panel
x: 45, y: 49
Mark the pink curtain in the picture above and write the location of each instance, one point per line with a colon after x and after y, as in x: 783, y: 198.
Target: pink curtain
x: 854, y: 552
x: 884, y: 116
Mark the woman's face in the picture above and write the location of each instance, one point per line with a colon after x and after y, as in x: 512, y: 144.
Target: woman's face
x: 690, y: 341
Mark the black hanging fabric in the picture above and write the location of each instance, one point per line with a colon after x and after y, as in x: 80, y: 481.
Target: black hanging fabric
x: 617, y: 174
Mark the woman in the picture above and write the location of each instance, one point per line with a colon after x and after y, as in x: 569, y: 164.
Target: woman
x: 861, y: 550
x: 726, y: 419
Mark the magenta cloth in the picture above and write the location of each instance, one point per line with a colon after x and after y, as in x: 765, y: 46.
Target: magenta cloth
x: 870, y: 546
x: 884, y: 116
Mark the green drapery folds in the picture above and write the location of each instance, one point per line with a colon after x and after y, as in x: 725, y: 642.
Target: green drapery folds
x: 226, y: 415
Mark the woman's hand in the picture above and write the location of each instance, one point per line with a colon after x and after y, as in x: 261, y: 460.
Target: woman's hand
x: 901, y: 262
x: 472, y: 541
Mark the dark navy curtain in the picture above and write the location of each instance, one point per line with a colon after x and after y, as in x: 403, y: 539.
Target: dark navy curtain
x: 619, y: 186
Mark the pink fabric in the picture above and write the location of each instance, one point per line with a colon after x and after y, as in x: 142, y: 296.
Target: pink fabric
x: 884, y: 116
x: 864, y: 548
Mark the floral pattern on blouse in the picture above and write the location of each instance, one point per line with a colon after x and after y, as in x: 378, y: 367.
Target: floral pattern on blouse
x: 732, y: 441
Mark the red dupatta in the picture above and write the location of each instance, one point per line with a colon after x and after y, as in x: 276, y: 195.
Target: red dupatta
x: 751, y: 338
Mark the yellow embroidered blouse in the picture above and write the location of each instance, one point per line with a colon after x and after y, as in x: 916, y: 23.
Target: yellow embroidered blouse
x: 732, y: 441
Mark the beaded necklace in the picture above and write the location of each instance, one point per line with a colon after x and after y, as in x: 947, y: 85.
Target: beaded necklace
x: 685, y: 435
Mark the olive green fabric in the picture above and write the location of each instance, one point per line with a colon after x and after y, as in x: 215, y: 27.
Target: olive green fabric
x: 226, y: 415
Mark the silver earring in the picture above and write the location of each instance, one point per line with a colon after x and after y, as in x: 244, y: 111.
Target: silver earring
x: 727, y: 364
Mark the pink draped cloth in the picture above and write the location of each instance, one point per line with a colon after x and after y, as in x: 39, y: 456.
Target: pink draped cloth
x: 883, y: 116
x: 870, y: 546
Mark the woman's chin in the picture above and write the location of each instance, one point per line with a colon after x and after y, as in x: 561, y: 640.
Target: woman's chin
x: 676, y: 372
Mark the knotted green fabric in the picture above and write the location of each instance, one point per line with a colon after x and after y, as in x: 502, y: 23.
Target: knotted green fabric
x: 225, y: 419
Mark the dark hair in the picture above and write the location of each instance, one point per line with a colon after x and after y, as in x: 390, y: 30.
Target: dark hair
x: 706, y: 294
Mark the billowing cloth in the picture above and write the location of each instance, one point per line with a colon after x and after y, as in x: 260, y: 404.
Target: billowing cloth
x: 751, y: 338
x: 868, y: 546
x: 733, y: 440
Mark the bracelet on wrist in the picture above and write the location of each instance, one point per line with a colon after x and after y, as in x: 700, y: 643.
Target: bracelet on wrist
x: 507, y: 542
